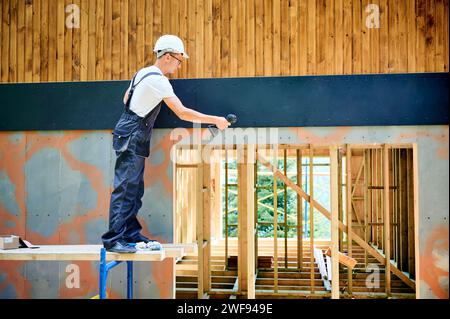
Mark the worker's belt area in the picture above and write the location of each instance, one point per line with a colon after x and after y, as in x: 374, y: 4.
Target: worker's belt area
x: 132, y: 133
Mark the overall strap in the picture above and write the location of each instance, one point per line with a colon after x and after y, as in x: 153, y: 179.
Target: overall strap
x: 131, y: 91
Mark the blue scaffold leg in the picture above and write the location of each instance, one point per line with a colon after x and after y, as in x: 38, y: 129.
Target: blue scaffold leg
x: 129, y: 279
x: 104, y: 269
x: 102, y: 274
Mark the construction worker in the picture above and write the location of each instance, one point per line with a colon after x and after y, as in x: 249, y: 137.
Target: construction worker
x: 131, y: 141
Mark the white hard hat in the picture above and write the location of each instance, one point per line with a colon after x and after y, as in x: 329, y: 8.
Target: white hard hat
x: 169, y: 43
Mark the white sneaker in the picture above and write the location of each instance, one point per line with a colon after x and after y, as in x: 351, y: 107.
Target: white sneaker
x: 151, y: 245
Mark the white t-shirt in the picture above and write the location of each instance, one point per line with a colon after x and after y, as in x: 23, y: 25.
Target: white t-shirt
x: 150, y: 92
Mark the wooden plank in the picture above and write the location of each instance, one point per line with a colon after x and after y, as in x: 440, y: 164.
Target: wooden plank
x: 92, y: 253
x: 183, y: 27
x: 294, y: 40
x: 234, y: 22
x: 107, y: 42
x: 348, y: 39
x: 311, y: 31
x: 68, y: 58
x: 334, y: 185
x: 440, y: 21
x: 216, y: 35
x: 100, y: 40
x: 148, y: 32
x: 115, y: 41
x: 366, y: 202
x: 91, y: 63
x: 13, y: 42
x: 268, y: 38
x: 199, y: 41
x: 366, y: 58
x: 311, y: 215
x: 349, y: 214
x: 402, y: 36
x: 28, y: 42
x: 375, y: 44
x: 44, y: 41
x: 157, y: 20
x: 421, y: 36
x: 393, y: 38
x: 357, y: 43
x: 36, y: 41
x: 132, y: 37
x: 52, y: 40
x: 225, y: 49
x: 84, y: 40
x: 124, y: 43
x: 415, y: 249
x: 5, y: 41
x: 285, y: 194
x: 341, y: 207
x: 412, y: 199
x: 299, y: 211
x: 321, y: 38
x: 275, y: 222
x: 339, y: 38
x: 250, y: 37
x: 241, y: 45
x: 165, y: 17
x: 246, y: 222
x: 206, y: 224
x: 284, y: 37
x: 343, y: 259
x: 199, y: 228
x: 411, y: 34
x: 330, y: 37
x: 303, y: 37
x: 387, y: 220
x: 375, y: 195
x: 76, y: 47
x: 208, y: 36
x: 384, y: 37
x: 276, y: 29
x: 20, y: 40
x: 446, y: 36
x: 430, y: 43
x: 259, y: 38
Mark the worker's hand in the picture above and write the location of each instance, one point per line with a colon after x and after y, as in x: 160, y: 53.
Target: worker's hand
x: 222, y: 123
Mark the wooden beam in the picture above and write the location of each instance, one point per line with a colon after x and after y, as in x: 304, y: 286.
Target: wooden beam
x: 311, y: 217
x: 285, y: 192
x: 217, y: 197
x: 366, y: 202
x: 334, y: 186
x: 343, y: 259
x: 199, y: 228
x: 275, y: 219
x: 299, y: 212
x: 387, y: 221
x: 246, y: 224
x: 415, y: 220
x: 349, y: 211
x: 206, y: 221
x: 356, y: 238
x: 91, y: 252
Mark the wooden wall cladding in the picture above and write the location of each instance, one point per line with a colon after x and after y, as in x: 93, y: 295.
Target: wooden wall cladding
x: 224, y: 38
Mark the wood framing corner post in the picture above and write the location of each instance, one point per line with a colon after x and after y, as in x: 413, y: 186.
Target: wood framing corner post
x: 246, y: 221
x: 334, y: 185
